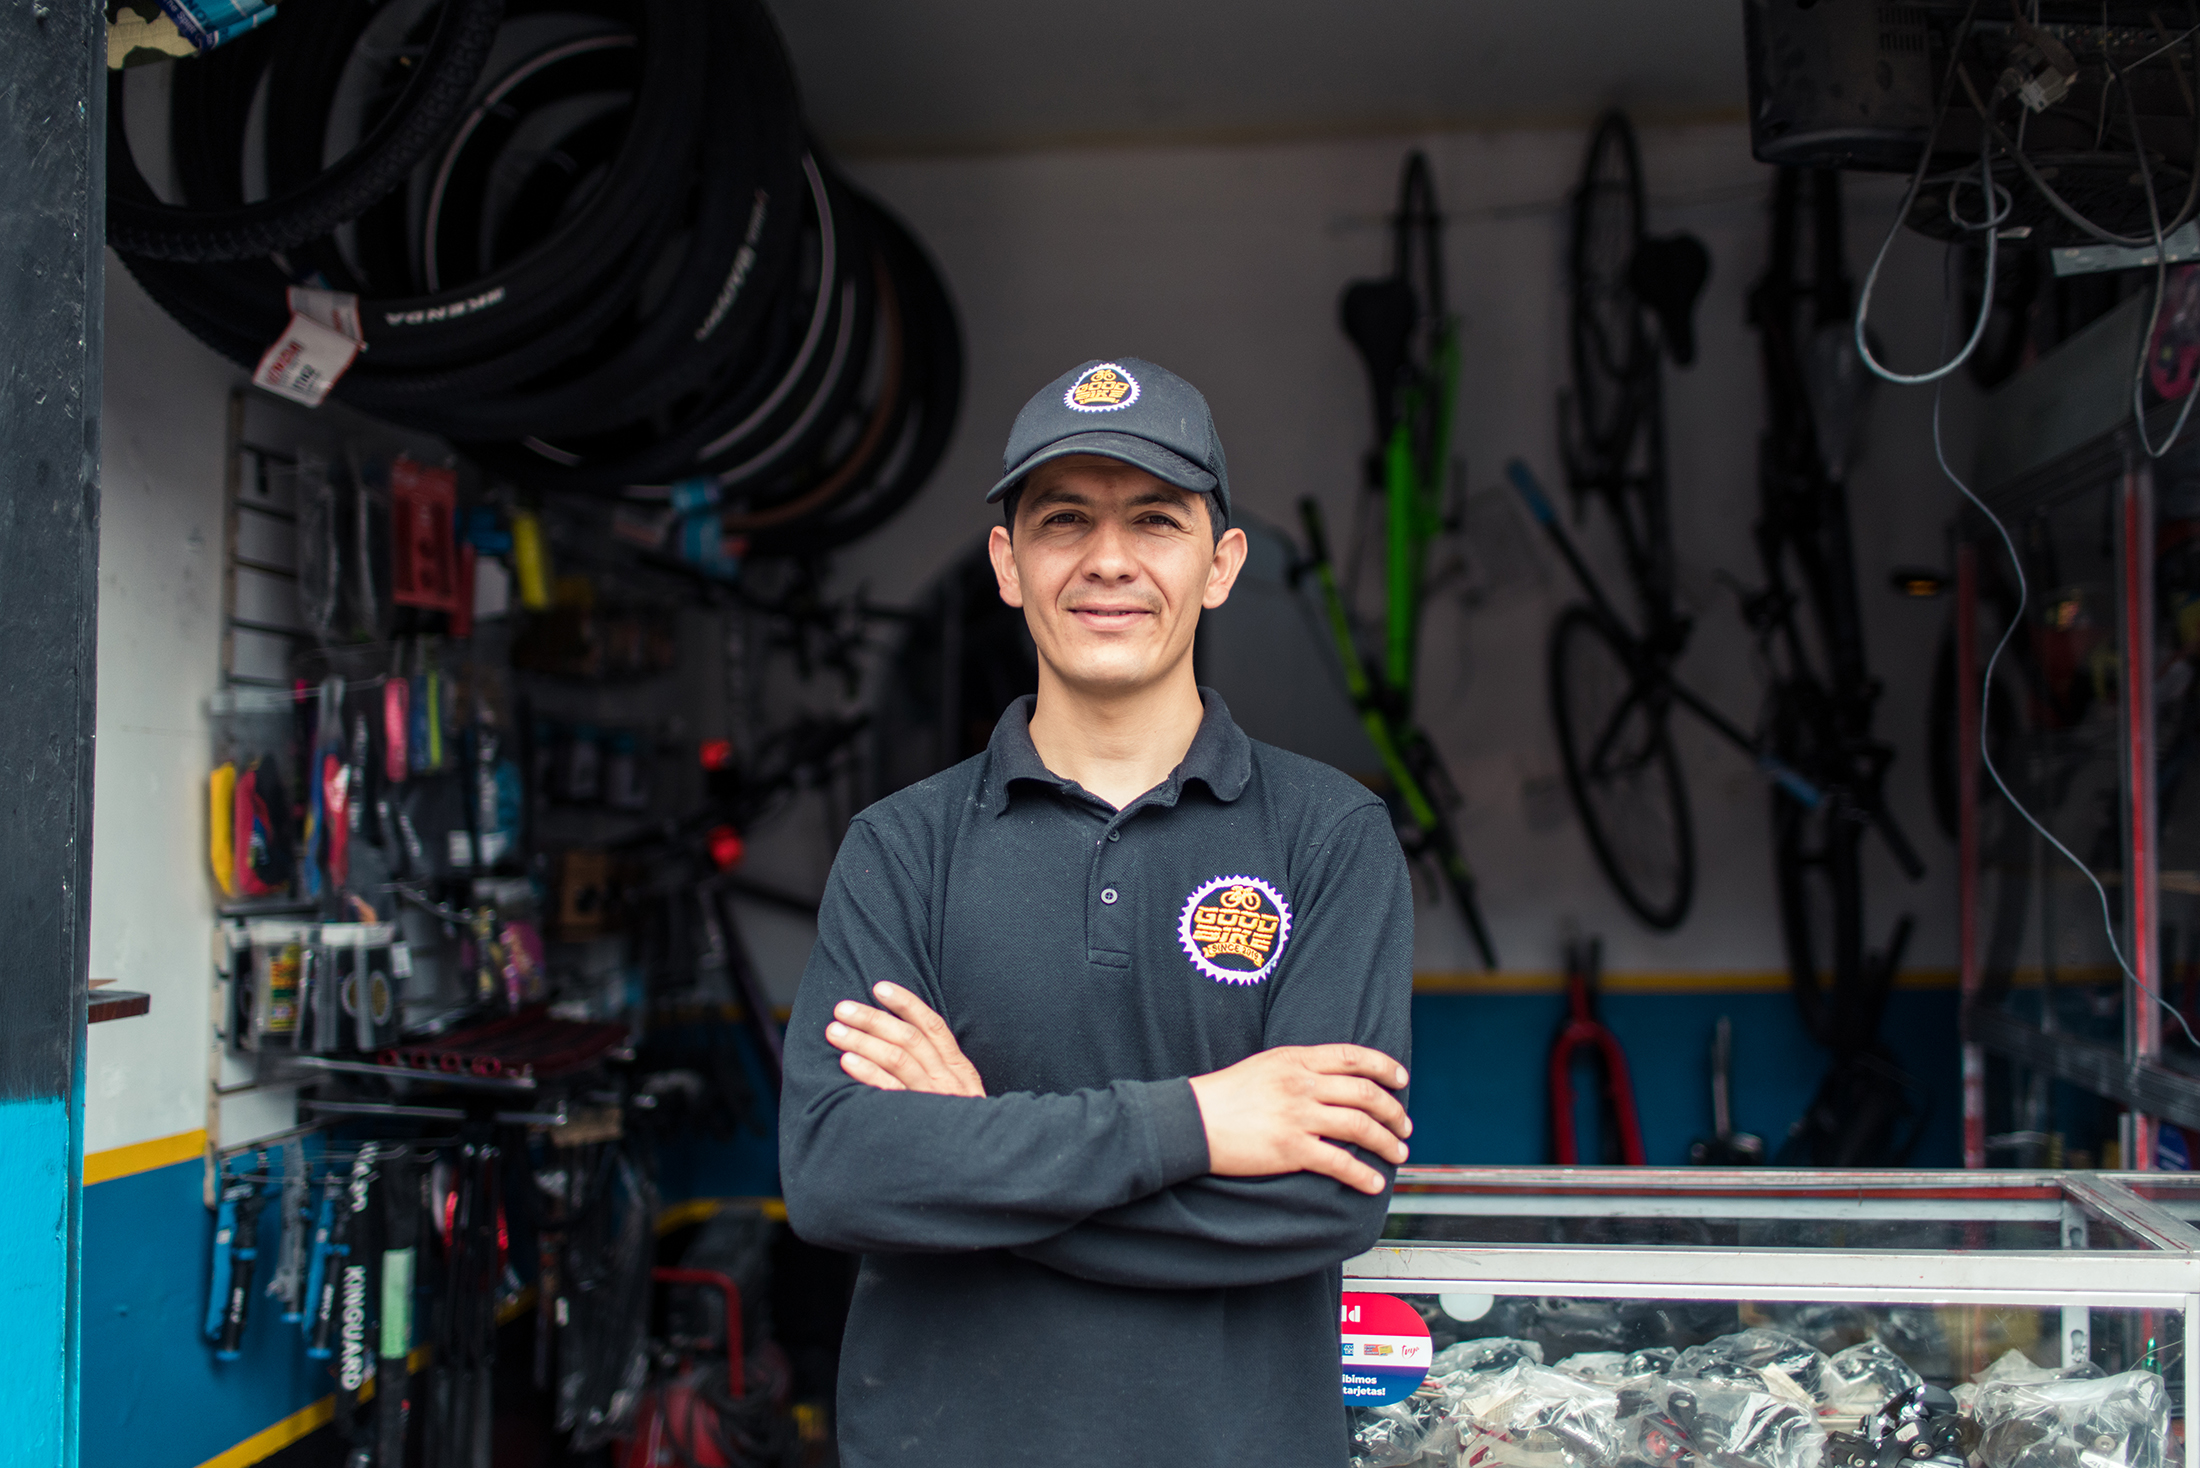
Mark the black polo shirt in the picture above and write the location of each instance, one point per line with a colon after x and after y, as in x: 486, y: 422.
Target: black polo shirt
x: 1050, y: 1275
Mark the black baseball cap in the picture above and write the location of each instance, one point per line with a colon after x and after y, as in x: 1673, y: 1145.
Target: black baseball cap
x: 1127, y: 409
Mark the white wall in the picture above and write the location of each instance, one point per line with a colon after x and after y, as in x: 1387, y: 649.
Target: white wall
x: 1225, y: 265
x: 165, y: 405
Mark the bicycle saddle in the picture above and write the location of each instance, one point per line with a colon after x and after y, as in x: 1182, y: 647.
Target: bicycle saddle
x: 1667, y: 275
x: 1379, y: 315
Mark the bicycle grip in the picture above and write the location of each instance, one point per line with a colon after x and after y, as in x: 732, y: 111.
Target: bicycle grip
x: 217, y: 1294
x: 243, y: 1253
x: 1317, y: 538
x: 1539, y: 503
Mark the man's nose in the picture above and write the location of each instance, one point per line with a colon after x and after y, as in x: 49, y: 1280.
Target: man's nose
x: 1108, y: 554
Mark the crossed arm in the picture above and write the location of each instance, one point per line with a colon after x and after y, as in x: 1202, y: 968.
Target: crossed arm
x: 1267, y: 1169
x: 1279, y: 1111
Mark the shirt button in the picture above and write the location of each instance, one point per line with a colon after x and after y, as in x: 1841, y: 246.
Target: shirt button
x: 1107, y: 895
x: 1115, y: 835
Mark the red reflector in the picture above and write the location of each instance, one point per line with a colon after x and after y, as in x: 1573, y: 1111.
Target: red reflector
x: 717, y: 754
x: 726, y: 847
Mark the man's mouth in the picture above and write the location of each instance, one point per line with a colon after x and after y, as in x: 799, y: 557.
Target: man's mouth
x: 1109, y: 618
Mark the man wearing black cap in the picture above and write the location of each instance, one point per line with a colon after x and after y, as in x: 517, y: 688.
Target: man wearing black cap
x: 1099, y: 1059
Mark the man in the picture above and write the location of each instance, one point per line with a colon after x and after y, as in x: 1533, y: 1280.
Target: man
x: 1099, y: 1058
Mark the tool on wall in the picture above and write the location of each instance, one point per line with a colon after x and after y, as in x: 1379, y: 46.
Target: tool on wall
x: 1619, y: 1131
x: 236, y: 1250
x: 1725, y: 1147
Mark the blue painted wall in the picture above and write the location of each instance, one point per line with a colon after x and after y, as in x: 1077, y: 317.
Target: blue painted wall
x: 38, y: 1147
x: 1479, y: 1077
x: 154, y: 1396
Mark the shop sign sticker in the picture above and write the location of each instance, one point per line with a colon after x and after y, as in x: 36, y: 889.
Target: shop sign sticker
x: 1386, y: 1349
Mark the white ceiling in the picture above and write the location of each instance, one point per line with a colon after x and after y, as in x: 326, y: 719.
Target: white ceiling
x: 895, y: 77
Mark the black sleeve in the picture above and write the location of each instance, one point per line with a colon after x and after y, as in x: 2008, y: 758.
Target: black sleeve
x: 901, y: 1172
x: 1347, y: 976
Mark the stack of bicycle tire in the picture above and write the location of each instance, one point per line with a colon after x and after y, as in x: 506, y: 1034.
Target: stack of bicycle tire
x: 588, y: 241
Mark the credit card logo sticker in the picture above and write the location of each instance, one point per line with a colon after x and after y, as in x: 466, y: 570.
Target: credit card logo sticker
x: 1384, y: 1349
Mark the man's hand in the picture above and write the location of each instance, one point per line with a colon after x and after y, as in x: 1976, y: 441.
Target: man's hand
x: 1284, y: 1110
x: 909, y: 1049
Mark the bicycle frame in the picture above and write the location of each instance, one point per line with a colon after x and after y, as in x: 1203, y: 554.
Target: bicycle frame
x: 1413, y: 414
x: 1407, y: 756
x: 1413, y: 488
x: 1650, y: 667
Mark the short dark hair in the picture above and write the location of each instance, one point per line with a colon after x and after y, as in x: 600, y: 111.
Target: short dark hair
x: 1215, y: 522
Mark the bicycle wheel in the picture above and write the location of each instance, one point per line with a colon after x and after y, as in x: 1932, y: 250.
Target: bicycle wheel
x: 1621, y: 768
x: 1610, y: 344
x: 1817, y: 869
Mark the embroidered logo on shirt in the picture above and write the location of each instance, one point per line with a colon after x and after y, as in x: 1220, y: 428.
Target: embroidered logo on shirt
x: 1233, y: 929
x: 1101, y: 389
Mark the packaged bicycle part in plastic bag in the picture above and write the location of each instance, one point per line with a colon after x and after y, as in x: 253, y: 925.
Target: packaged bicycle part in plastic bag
x: 1396, y: 1435
x: 2073, y: 1422
x: 1917, y: 1426
x: 1770, y: 1359
x: 1674, y: 1424
x: 1488, y: 1353
x: 1533, y: 1416
x: 1864, y: 1378
x: 320, y: 555
x: 1608, y: 1367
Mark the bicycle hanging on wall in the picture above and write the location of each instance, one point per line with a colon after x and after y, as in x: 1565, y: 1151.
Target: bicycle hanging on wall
x: 1613, y: 687
x: 1410, y: 345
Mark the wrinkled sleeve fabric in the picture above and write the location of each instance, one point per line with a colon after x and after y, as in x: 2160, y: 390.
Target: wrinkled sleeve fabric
x: 1347, y: 977
x: 876, y: 1171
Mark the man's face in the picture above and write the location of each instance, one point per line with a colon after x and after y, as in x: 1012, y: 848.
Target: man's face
x: 1111, y: 567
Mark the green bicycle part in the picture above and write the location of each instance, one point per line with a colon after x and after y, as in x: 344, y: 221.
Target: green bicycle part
x: 1413, y: 492
x: 1362, y: 691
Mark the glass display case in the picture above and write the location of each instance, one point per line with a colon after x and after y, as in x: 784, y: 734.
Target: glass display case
x: 2093, y: 720
x: 1648, y: 1318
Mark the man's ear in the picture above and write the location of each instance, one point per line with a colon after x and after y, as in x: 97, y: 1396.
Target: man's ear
x: 1222, y: 573
x: 1003, y: 552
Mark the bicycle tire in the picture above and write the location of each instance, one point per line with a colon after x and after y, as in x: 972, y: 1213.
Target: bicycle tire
x: 143, y: 225
x: 932, y: 391
x: 1609, y: 344
x: 1818, y: 873
x: 553, y: 299
x: 1633, y: 807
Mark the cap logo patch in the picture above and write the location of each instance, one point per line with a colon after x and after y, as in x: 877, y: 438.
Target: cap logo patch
x: 1101, y: 389
x: 1233, y: 929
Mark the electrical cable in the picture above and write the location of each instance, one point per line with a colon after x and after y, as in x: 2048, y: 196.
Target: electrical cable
x: 1986, y: 684
x: 1988, y: 189
x: 1917, y: 181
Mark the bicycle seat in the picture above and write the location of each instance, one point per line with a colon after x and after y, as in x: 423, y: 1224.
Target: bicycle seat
x: 1379, y: 316
x: 1668, y: 275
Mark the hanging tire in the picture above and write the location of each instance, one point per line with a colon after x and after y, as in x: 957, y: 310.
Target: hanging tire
x: 1615, y: 739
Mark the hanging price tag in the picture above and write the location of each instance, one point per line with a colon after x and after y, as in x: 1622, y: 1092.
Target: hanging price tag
x: 316, y: 349
x: 305, y: 362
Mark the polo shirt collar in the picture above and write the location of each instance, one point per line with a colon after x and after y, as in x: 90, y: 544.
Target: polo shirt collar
x: 1221, y: 757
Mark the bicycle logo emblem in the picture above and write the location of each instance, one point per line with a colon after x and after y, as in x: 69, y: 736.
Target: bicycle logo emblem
x: 1101, y: 389
x: 1233, y: 929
